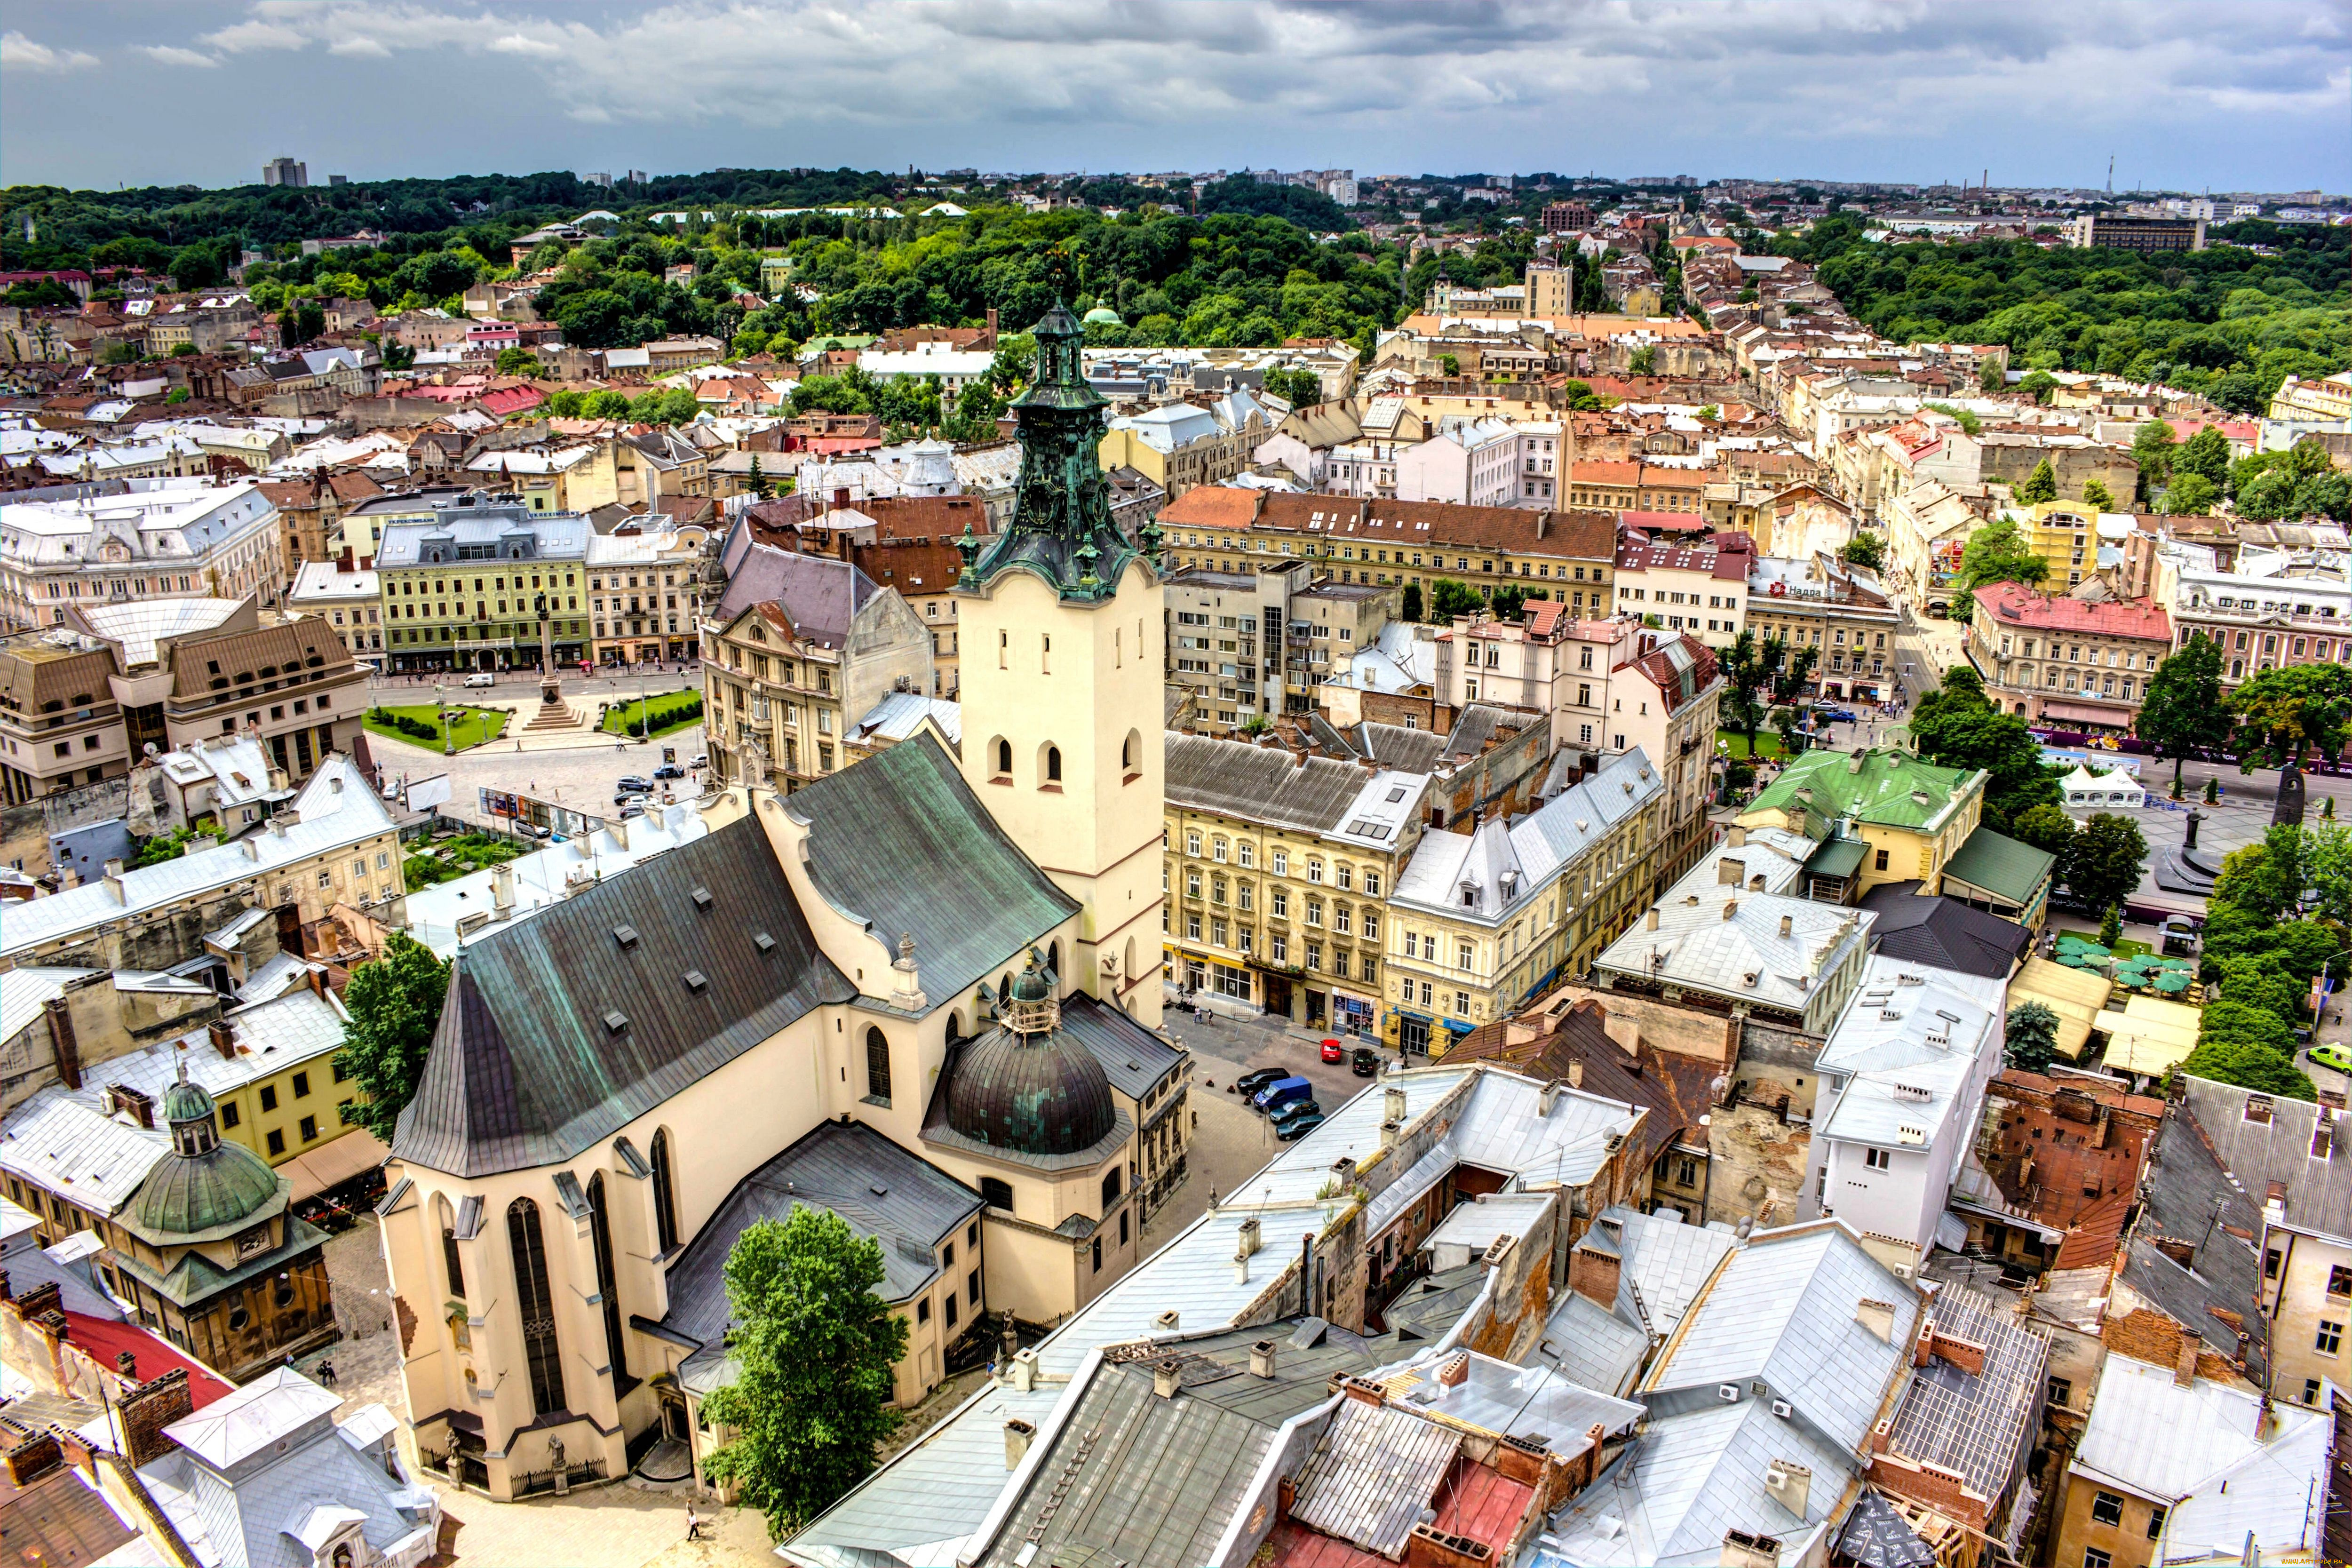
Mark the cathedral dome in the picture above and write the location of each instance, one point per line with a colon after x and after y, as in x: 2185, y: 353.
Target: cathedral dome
x: 1105, y: 316
x: 1031, y: 1094
x: 203, y: 1185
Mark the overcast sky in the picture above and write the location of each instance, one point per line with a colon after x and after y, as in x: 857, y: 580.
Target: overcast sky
x: 2219, y: 94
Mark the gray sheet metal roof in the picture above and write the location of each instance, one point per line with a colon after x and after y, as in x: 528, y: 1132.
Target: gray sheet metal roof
x: 1260, y: 784
x: 1133, y: 1057
x: 900, y: 842
x: 884, y: 1194
x: 1783, y: 1311
x: 1589, y: 1345
x: 2276, y: 1148
x: 1150, y: 1482
x: 527, y: 1067
x: 1377, y: 1468
x: 2183, y: 1181
x: 1666, y: 1263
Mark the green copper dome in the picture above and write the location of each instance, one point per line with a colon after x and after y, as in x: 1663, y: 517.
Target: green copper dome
x: 185, y: 1102
x: 203, y: 1188
x: 1106, y: 315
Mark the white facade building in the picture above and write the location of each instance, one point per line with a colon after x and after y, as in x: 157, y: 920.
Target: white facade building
x: 161, y: 539
x: 1467, y: 462
x: 1902, y: 1092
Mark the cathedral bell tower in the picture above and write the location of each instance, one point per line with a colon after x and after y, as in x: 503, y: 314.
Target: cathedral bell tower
x: 1062, y: 643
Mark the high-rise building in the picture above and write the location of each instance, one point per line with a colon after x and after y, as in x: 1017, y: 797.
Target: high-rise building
x: 284, y: 171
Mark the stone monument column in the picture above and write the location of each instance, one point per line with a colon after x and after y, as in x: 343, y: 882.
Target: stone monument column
x: 550, y: 688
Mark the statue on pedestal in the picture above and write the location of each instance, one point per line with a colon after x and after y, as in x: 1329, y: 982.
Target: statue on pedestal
x: 551, y: 689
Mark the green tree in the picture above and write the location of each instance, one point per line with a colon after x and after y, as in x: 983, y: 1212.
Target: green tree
x: 606, y: 404
x: 2047, y: 828
x: 2255, y: 881
x: 2105, y: 859
x: 518, y: 362
x: 2190, y: 495
x: 1748, y: 672
x: 1507, y: 603
x: 2182, y: 712
x: 2111, y: 926
x: 2327, y: 866
x: 2039, y: 385
x: 2152, y: 450
x: 1299, y: 388
x: 1997, y: 553
x: 1954, y: 726
x: 1411, y: 606
x: 394, y: 1005
x: 2041, y: 485
x: 1866, y: 550
x: 2207, y: 453
x: 1710, y: 412
x: 757, y: 482
x: 1449, y: 598
x: 2098, y: 495
x: 2031, y: 1042
x: 2250, y: 1047
x: 2282, y: 714
x: 1448, y: 365
x: 1643, y: 361
x: 565, y: 403
x: 814, y: 1348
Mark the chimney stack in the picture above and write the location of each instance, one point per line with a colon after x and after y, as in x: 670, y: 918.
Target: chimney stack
x: 1167, y: 1377
x: 1788, y: 924
x: 1878, y: 1317
x: 224, y: 1037
x: 1017, y: 1436
x: 1650, y: 920
x: 1392, y: 1104
x: 1262, y: 1359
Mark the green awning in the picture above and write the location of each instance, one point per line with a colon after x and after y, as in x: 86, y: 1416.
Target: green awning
x: 1839, y: 857
x: 2172, y: 982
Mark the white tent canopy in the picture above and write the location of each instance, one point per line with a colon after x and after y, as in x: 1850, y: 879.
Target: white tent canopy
x: 2088, y: 791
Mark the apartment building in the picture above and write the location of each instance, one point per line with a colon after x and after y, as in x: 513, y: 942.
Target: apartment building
x: 1277, y: 868
x: 1635, y: 486
x: 1570, y: 554
x: 796, y: 650
x: 2067, y: 661
x: 83, y: 702
x: 158, y: 539
x: 1249, y: 646
x: 2266, y: 609
x: 465, y: 590
x: 1465, y: 462
x: 641, y: 592
x: 1928, y: 527
x: 1841, y: 610
x: 350, y: 601
x: 1182, y: 445
x: 1703, y: 590
x: 1483, y: 918
x: 906, y: 541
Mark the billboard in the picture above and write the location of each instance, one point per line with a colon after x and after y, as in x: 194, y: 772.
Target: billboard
x: 551, y: 819
x: 424, y: 794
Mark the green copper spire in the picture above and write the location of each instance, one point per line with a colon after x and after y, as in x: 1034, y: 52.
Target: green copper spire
x: 1061, y: 528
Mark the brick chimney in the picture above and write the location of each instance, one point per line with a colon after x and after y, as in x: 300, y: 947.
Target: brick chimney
x: 64, y: 1044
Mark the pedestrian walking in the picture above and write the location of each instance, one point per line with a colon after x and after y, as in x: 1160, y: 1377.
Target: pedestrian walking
x: 693, y: 1523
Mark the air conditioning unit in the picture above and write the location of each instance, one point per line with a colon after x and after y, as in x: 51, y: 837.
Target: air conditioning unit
x: 1784, y: 1409
x: 1904, y: 1271
x: 1778, y: 1479
x: 1728, y: 1392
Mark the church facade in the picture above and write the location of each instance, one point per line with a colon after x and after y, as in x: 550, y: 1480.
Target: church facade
x: 927, y: 957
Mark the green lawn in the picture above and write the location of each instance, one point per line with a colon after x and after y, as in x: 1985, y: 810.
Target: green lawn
x: 1728, y: 743
x: 468, y: 726
x: 671, y: 713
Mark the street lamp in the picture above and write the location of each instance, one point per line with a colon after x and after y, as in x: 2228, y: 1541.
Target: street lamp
x: 441, y: 712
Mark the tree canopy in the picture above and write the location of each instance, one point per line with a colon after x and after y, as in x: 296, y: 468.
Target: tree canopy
x: 396, y: 1004
x: 2182, y: 712
x: 1998, y: 552
x: 1954, y: 726
x: 814, y: 1347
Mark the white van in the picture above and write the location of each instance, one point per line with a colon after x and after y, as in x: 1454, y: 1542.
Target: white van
x: 481, y: 678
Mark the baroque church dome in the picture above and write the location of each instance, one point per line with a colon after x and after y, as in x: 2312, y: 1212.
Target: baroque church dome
x: 203, y: 1185
x: 1026, y: 1086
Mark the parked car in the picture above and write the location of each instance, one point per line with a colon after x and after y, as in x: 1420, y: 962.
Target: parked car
x: 701, y: 762
x: 1298, y: 1127
x: 2334, y: 1057
x: 1332, y: 1051
x: 670, y: 770
x: 635, y: 808
x: 1249, y: 1083
x: 1365, y: 1063
x: 1293, y: 1111
x: 1835, y: 715
x: 1282, y: 1092
x: 481, y: 678
x: 637, y: 784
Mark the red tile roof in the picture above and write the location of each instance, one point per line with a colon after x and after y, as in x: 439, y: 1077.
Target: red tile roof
x: 106, y: 1338
x: 2014, y: 604
x: 1664, y: 521
x: 1628, y: 474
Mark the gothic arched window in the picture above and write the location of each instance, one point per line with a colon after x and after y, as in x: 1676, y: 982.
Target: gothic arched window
x: 600, y: 1231
x: 877, y: 1066
x: 536, y: 1302
x: 664, y: 1200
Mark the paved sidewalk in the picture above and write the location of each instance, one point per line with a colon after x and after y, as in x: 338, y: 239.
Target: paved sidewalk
x: 617, y: 1526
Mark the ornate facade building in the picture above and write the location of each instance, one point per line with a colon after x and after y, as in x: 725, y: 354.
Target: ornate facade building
x: 922, y: 991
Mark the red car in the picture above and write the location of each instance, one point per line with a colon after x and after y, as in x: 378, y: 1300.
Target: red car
x: 1332, y: 1053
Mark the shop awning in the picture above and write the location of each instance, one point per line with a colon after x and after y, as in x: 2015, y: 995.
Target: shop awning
x: 333, y: 1163
x: 2086, y: 713
x: 2152, y: 1038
